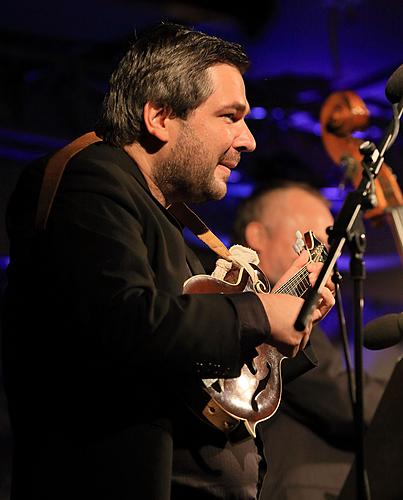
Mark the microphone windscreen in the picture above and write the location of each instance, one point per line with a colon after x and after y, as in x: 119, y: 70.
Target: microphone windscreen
x: 383, y: 332
x: 394, y: 86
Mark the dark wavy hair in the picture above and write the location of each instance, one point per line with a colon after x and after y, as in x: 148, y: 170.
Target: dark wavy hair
x: 166, y: 66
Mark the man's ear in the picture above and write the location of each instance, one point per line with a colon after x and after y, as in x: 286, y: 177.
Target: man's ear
x: 256, y: 235
x: 157, y: 120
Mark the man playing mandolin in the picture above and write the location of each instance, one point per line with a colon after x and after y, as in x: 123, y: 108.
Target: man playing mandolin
x: 99, y: 339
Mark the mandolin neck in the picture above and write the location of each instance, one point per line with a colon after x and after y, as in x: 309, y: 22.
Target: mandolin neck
x: 297, y: 285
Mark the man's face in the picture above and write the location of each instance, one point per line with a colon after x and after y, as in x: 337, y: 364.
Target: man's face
x: 289, y: 211
x: 209, y: 142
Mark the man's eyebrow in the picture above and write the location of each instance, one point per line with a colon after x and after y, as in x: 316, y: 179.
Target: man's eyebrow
x: 237, y: 106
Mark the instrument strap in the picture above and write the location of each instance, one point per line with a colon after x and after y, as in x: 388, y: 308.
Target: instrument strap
x: 53, y: 174
x: 189, y: 219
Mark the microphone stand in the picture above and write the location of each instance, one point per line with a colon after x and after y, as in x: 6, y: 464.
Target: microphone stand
x: 357, y: 244
x: 349, y: 227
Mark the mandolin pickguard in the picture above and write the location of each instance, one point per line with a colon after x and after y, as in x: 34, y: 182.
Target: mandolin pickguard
x: 252, y: 397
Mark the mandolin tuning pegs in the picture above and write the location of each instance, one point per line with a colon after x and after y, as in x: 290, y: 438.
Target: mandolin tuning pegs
x: 299, y: 244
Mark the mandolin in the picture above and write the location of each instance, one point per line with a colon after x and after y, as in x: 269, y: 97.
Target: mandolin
x: 341, y: 114
x: 255, y: 395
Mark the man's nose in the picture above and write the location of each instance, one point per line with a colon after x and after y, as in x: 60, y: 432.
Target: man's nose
x: 245, y: 140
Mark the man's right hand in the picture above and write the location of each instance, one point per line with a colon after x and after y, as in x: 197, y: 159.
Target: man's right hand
x: 282, y: 311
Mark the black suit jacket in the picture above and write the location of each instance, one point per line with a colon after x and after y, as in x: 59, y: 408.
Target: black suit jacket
x: 99, y: 340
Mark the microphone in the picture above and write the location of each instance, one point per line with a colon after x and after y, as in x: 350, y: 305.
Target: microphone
x: 385, y: 331
x: 394, y: 86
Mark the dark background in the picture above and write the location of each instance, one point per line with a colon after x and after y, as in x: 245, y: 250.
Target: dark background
x: 55, y: 60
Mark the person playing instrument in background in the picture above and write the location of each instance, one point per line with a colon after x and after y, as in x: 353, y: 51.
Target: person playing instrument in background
x: 309, y: 442
x: 99, y: 339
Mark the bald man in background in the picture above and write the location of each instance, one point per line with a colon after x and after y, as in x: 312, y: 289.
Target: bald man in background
x: 309, y: 442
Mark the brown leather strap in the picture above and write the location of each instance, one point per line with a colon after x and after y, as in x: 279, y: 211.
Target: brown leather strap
x: 53, y: 174
x: 186, y: 215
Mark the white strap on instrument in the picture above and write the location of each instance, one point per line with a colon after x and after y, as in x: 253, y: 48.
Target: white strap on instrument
x: 242, y: 257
